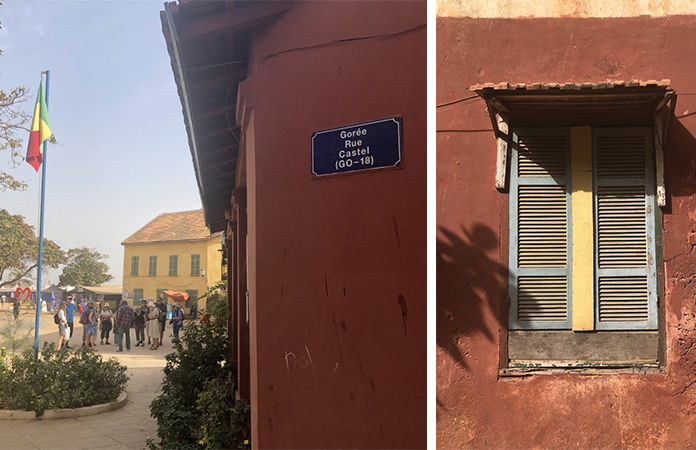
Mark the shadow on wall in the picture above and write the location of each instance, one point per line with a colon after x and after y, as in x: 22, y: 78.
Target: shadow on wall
x: 680, y: 162
x: 468, y: 282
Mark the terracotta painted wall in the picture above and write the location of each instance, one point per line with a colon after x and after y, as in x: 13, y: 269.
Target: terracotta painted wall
x: 476, y: 408
x: 337, y: 266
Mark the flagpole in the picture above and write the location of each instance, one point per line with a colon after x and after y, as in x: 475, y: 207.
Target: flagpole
x: 41, y: 232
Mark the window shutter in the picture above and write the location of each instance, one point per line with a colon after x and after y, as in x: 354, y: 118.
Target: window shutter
x: 625, y: 271
x: 540, y: 229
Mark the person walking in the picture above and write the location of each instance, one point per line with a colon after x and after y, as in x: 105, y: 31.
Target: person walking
x: 153, y: 316
x: 163, y: 318
x: 124, y: 317
x: 91, y: 326
x: 15, y: 308
x: 63, y: 328
x: 84, y: 320
x: 146, y: 311
x: 69, y: 315
x: 106, y: 323
x: 139, y: 322
x: 177, y: 320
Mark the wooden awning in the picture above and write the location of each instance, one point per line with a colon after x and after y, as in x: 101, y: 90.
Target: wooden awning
x: 208, y: 48
x: 651, y: 101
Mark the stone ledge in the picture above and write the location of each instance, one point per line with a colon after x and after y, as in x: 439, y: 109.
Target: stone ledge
x: 7, y: 414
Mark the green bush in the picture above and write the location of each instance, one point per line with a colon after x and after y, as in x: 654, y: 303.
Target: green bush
x: 197, y: 407
x: 59, y: 380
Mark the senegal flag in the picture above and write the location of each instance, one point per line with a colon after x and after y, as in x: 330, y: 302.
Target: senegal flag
x: 40, y: 131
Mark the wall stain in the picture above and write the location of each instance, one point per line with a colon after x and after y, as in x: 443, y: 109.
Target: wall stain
x: 396, y: 231
x: 404, y: 312
x: 338, y: 341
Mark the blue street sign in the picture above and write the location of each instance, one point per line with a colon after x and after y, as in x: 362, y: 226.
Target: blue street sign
x: 359, y: 147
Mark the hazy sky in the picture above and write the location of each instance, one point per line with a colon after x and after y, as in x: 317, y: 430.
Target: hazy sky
x: 123, y: 156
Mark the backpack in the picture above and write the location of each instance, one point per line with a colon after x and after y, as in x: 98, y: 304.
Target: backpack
x: 56, y: 319
x: 84, y: 318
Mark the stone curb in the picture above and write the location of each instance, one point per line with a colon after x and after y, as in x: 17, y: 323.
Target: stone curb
x: 8, y: 414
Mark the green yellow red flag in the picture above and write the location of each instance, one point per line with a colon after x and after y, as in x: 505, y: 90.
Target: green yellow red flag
x: 40, y: 131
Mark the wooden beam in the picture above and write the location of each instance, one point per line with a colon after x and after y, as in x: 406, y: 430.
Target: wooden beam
x: 659, y: 159
x: 229, y: 22
x: 217, y: 80
x: 502, y: 157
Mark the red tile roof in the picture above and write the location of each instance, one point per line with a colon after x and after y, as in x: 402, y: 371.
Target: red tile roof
x: 172, y: 227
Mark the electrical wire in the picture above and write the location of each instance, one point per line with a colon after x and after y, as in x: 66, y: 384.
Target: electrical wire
x: 457, y: 101
x: 462, y: 103
x: 304, y: 47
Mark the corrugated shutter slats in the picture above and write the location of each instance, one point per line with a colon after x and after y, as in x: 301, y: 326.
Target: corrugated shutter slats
x: 623, y: 299
x: 621, y: 157
x: 543, y: 298
x: 541, y: 156
x: 539, y: 246
x: 542, y: 226
x: 624, y: 182
x: 621, y: 226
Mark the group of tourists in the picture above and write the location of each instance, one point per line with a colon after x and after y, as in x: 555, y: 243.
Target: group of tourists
x: 148, y: 319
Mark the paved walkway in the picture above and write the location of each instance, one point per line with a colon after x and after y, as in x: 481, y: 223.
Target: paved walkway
x: 125, y: 428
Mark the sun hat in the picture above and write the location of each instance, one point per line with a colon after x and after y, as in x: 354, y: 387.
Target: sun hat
x: 151, y: 304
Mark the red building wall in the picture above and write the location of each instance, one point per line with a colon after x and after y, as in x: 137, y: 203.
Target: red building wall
x: 476, y: 407
x: 337, y: 267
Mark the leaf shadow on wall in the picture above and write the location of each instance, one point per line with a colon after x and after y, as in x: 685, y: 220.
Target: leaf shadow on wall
x: 468, y: 282
x: 680, y: 162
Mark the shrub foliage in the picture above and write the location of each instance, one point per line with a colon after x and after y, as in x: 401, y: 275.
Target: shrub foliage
x: 59, y: 379
x: 197, y: 407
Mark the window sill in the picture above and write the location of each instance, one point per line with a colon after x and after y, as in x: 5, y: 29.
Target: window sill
x: 581, y: 368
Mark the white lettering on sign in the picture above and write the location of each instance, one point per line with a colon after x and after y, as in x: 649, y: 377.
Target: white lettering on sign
x: 353, y: 133
x: 353, y: 154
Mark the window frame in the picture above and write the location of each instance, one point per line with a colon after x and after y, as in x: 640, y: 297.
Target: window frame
x: 514, y: 272
x: 137, y: 300
x: 197, y: 266
x: 651, y: 234
x: 135, y: 265
x: 652, y: 231
x: 173, y: 265
x: 193, y: 298
x: 152, y: 266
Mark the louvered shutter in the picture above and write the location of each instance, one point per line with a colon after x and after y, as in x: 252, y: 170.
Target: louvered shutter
x: 540, y: 229
x: 625, y: 271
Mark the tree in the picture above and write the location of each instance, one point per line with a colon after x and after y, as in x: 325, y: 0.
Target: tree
x: 19, y: 250
x: 12, y: 120
x: 85, y: 268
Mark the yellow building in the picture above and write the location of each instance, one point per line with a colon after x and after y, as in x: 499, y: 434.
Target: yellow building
x: 174, y: 251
